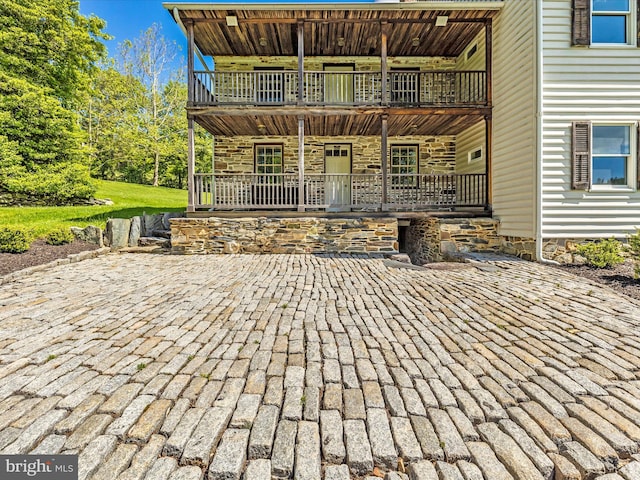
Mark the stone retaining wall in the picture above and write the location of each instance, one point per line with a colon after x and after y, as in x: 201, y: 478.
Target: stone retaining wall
x: 284, y: 235
x: 441, y: 239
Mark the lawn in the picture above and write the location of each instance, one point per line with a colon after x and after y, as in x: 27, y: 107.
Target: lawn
x: 129, y: 200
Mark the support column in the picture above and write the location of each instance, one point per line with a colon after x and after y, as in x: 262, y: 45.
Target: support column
x: 384, y: 153
x: 191, y: 150
x: 300, y: 62
x: 190, y: 62
x: 488, y: 194
x: 383, y: 62
x: 301, y: 201
x: 488, y: 33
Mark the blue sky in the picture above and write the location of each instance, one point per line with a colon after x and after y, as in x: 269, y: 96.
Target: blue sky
x: 126, y: 19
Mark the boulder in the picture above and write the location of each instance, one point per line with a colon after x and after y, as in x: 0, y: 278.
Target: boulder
x: 166, y: 217
x: 151, y: 223
x: 135, y: 231
x: 117, y: 232
x: 154, y: 242
x: 90, y: 234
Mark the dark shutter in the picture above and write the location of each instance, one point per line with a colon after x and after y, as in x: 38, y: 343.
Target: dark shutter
x: 638, y: 157
x: 581, y: 22
x: 581, y: 153
x: 638, y: 24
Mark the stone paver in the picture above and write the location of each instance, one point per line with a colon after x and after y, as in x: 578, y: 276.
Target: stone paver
x: 155, y: 367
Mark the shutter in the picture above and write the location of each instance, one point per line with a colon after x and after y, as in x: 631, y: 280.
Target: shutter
x: 638, y: 23
x: 581, y: 153
x: 638, y: 156
x: 581, y: 23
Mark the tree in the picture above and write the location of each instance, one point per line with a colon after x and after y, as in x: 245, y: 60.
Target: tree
x: 110, y: 119
x: 47, y: 54
x: 148, y: 58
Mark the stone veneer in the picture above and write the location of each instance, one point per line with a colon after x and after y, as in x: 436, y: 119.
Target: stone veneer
x: 236, y: 154
x: 440, y: 239
x: 562, y: 250
x: 284, y: 235
x: 522, y: 247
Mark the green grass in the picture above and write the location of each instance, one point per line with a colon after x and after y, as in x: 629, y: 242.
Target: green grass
x: 129, y: 200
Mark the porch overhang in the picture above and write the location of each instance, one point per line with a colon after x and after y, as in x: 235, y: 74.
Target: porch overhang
x: 270, y: 29
x: 328, y: 121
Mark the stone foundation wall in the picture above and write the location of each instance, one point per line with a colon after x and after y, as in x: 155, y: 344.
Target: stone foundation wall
x: 522, y: 247
x: 440, y: 239
x: 562, y: 250
x: 236, y: 154
x: 284, y: 235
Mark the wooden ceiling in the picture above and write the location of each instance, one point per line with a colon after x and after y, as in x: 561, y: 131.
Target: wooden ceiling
x: 336, y: 125
x: 274, y: 32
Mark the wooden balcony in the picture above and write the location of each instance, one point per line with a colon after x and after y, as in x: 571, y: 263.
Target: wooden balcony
x: 340, y: 192
x: 321, y: 88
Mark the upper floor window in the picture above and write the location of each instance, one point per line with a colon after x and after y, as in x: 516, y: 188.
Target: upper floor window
x: 604, y: 22
x: 610, y: 21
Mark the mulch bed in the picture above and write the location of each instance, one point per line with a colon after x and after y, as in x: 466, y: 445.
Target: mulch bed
x: 619, y: 278
x: 40, y: 253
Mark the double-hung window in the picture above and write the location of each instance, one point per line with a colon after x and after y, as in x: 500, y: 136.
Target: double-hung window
x: 604, y: 22
x: 604, y: 156
x: 404, y: 164
x: 610, y: 22
x: 611, y: 157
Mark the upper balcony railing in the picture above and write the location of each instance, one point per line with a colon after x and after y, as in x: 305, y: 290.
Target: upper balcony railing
x: 324, y: 88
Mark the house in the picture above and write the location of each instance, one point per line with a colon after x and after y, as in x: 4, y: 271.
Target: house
x: 437, y: 126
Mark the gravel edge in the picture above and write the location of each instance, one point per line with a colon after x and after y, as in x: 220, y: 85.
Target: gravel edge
x: 73, y: 258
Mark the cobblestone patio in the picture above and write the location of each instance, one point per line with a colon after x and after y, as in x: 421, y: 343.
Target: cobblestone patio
x: 309, y: 367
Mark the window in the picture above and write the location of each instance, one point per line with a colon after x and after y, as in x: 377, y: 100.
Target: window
x: 268, y: 161
x: 611, y: 155
x: 603, y: 156
x: 610, y: 21
x: 604, y: 22
x: 472, y: 51
x: 404, y: 164
x: 474, y: 155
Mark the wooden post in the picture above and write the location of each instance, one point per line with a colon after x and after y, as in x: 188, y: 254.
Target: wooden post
x: 488, y: 196
x: 190, y: 63
x: 488, y: 32
x: 191, y: 164
x: 383, y: 61
x: 301, y: 202
x: 300, y: 62
x: 384, y: 161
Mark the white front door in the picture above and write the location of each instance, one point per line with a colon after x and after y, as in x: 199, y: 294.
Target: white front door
x: 337, y: 186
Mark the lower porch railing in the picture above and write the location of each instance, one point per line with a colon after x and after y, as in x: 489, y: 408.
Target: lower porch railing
x: 339, y: 192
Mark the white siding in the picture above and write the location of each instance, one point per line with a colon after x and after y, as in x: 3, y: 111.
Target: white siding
x: 514, y: 119
x: 472, y: 138
x: 581, y: 83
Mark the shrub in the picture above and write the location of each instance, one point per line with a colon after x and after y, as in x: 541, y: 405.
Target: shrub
x: 14, y: 240
x: 602, y: 254
x: 60, y: 236
x: 59, y: 184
